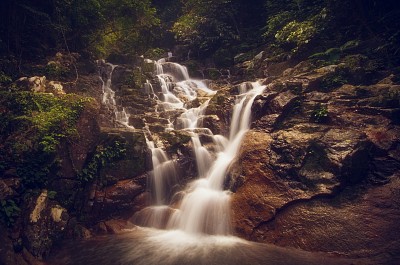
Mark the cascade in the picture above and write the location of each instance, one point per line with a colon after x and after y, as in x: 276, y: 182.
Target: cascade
x: 108, y: 98
x: 205, y: 206
x: 195, y: 222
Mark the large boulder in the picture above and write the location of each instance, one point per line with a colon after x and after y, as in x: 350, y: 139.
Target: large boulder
x: 321, y: 174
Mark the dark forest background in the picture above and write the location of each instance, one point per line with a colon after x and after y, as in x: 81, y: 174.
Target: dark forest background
x: 215, y: 29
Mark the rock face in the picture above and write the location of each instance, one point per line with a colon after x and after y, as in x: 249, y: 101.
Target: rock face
x: 320, y: 168
x: 46, y: 223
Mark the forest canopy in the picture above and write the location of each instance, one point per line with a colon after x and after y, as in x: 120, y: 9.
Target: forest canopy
x: 218, y: 29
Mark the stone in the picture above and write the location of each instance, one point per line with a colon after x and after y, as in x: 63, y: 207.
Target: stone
x: 35, y: 84
x: 117, y: 200
x: 56, y: 88
x: 356, y: 224
x: 47, y: 221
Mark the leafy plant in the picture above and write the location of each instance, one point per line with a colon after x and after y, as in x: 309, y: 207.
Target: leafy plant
x: 104, y: 154
x: 4, y: 79
x: 320, y: 114
x: 35, y: 125
x: 9, y: 211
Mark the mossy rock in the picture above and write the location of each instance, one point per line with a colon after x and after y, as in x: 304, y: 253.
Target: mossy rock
x: 33, y: 126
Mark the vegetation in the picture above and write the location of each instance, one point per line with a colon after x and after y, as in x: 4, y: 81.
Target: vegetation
x: 33, y: 28
x: 9, y: 210
x: 105, y: 154
x: 218, y: 29
x: 320, y: 114
x: 32, y: 128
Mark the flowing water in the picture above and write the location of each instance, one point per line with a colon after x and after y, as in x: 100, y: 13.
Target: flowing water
x: 205, y: 206
x: 108, y: 98
x: 197, y: 228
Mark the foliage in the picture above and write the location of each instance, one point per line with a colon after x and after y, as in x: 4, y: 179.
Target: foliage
x: 34, y: 28
x: 104, y: 154
x: 33, y: 127
x: 154, y: 53
x: 320, y: 114
x: 4, y: 79
x: 206, y: 24
x: 9, y: 211
x: 335, y: 79
x: 54, y: 70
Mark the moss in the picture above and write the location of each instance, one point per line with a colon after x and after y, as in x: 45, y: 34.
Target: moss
x: 32, y: 128
x: 138, y: 78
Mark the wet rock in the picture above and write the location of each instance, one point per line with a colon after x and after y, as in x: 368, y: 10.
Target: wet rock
x: 117, y: 200
x: 212, y: 122
x: 308, y: 178
x: 156, y: 217
x: 75, y: 154
x: 134, y: 162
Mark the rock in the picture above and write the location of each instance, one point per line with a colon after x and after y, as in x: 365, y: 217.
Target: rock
x: 357, y: 223
x: 156, y: 217
x: 113, y: 226
x: 56, y: 88
x: 35, y: 84
x: 212, y: 122
x: 117, y: 200
x: 133, y: 164
x: 75, y: 154
x: 283, y: 180
x: 270, y: 108
x: 46, y: 223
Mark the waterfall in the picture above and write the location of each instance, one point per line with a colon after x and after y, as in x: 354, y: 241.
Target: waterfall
x: 205, y: 205
x: 108, y: 98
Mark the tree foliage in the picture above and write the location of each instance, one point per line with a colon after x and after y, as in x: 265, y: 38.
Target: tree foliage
x: 209, y: 28
x: 30, y: 28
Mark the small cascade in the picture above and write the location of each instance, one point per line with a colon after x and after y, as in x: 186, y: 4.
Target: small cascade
x: 163, y: 177
x: 108, y: 99
x: 205, y: 205
x: 148, y: 88
x: 163, y: 174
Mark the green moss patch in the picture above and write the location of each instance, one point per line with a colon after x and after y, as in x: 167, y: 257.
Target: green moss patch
x: 32, y: 126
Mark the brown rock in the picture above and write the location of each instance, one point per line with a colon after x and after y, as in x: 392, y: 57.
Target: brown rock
x: 117, y: 200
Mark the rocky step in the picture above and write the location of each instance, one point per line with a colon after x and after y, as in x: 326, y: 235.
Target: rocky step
x: 138, y: 98
x: 135, y: 109
x: 140, y: 120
